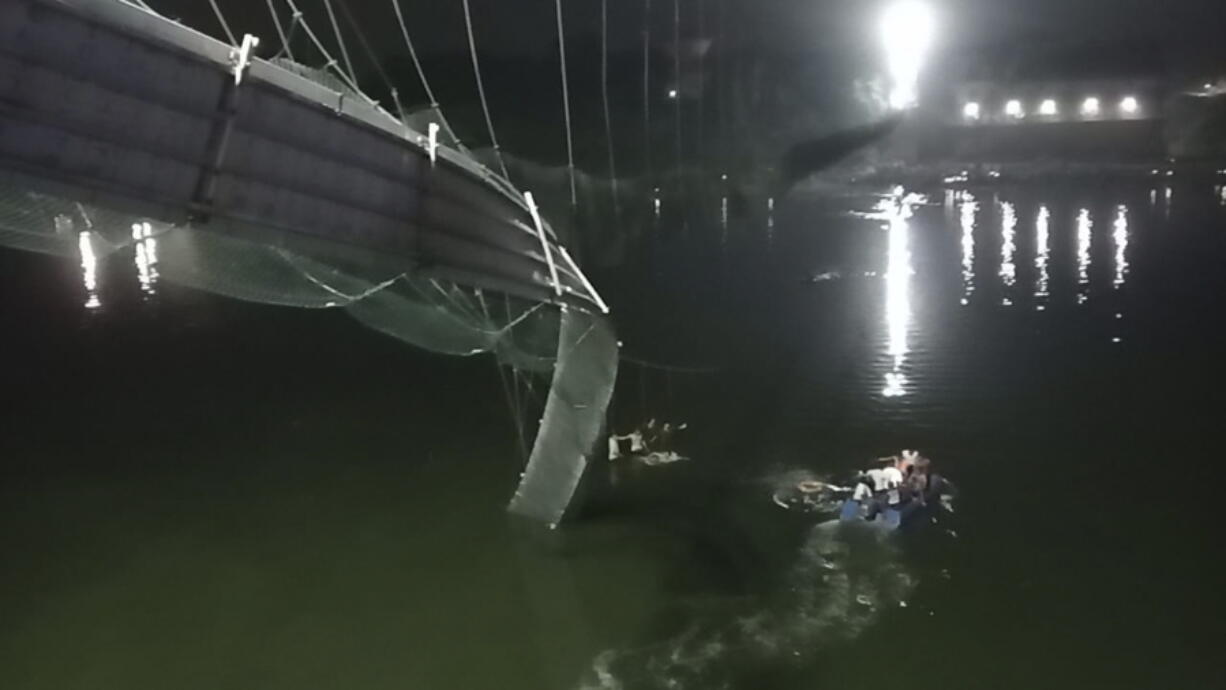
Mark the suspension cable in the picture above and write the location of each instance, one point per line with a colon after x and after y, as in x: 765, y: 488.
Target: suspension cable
x: 421, y: 73
x: 485, y: 107
x: 340, y: 41
x: 570, y: 146
x: 372, y: 57
x: 721, y: 81
x: 221, y: 18
x: 331, y: 61
x: 647, y: 88
x: 513, y: 398
x: 677, y: 77
x: 604, y: 91
x: 280, y: 30
x: 291, y: 33
x: 702, y: 91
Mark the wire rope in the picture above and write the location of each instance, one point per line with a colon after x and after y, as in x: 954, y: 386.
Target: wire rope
x: 221, y: 18
x: 604, y: 92
x: 677, y: 78
x: 647, y: 87
x: 331, y: 61
x: 513, y: 399
x: 702, y: 90
x: 340, y: 41
x: 373, y: 58
x: 280, y: 30
x: 570, y: 146
x: 421, y: 72
x: 485, y: 107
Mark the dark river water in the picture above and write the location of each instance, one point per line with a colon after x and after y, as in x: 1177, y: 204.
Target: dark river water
x: 203, y: 493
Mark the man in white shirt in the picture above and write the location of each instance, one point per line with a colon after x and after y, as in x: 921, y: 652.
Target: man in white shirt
x: 638, y: 445
x: 893, y: 480
x: 887, y: 480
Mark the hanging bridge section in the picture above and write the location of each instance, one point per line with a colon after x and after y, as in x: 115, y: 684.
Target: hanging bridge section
x: 104, y: 102
x: 277, y: 183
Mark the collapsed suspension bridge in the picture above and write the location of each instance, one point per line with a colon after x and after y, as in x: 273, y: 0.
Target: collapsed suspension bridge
x: 275, y: 182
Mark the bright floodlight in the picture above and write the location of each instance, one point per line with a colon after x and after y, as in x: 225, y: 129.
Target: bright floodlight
x: 1048, y: 108
x: 906, y: 29
x: 1091, y: 107
x: 1014, y: 109
x: 971, y: 111
x: 1129, y: 106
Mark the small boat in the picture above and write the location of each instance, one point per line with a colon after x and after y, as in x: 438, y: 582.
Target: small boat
x: 938, y: 499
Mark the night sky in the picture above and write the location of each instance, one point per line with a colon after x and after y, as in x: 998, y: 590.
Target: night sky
x: 527, y: 26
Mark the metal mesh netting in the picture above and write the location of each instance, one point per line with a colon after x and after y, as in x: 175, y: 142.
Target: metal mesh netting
x: 51, y: 225
x: 251, y: 271
x: 320, y: 76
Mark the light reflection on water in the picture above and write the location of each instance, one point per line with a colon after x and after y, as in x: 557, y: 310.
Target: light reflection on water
x: 969, y: 208
x: 89, y: 269
x: 1120, y: 236
x: 1008, y: 235
x: 1042, y: 259
x: 1085, y: 236
x: 897, y: 293
x: 146, y: 256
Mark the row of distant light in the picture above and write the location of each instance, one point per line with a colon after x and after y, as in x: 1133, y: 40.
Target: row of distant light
x: 1090, y: 107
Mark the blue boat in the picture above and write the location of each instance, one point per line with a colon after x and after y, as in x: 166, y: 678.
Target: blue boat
x: 912, y: 512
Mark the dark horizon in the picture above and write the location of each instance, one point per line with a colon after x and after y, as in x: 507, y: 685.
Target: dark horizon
x: 528, y: 28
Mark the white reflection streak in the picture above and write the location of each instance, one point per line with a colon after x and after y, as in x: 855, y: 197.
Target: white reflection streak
x: 146, y: 257
x: 89, y: 269
x: 897, y: 295
x: 1221, y: 191
x: 1042, y: 257
x: 1008, y: 236
x: 1085, y: 227
x: 1120, y: 235
x: 968, y: 208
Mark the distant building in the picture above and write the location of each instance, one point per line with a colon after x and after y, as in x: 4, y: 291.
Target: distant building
x: 1037, y: 103
x: 1081, y: 103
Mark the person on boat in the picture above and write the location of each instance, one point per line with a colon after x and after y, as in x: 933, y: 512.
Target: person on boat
x: 638, y: 445
x: 886, y: 484
x: 881, y: 477
x: 863, y: 494
x: 917, y: 477
x: 907, y: 460
x: 864, y: 489
x: 894, y: 480
x: 651, y: 433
